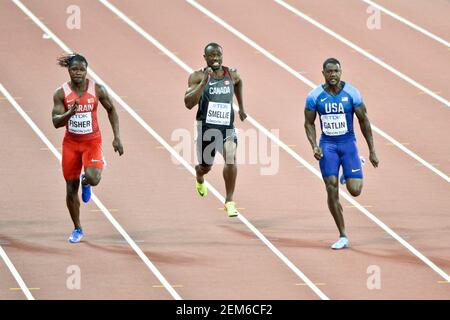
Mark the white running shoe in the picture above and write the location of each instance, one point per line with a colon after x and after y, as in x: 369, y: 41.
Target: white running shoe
x: 340, y: 244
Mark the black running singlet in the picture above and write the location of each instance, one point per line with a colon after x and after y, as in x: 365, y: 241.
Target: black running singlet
x: 215, y: 108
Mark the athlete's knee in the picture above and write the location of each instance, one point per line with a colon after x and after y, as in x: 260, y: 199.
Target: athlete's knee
x: 354, y: 190
x: 229, y: 151
x: 202, y: 169
x: 93, y: 177
x: 332, y: 187
x: 230, y: 159
x: 354, y: 186
x: 72, y: 188
x: 93, y: 180
x: 230, y: 166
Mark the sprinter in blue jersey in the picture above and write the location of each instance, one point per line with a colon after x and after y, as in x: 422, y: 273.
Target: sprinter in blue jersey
x: 336, y: 101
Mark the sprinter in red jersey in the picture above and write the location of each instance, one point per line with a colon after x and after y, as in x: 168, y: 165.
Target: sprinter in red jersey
x: 75, y: 107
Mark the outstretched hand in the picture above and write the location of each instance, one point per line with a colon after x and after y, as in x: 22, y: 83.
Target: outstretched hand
x: 117, y: 145
x: 374, y: 159
x: 317, y: 152
x: 242, y: 115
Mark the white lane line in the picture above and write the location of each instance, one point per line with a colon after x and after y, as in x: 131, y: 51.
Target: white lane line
x: 363, y: 52
x: 286, y: 67
x: 179, y: 158
x: 13, y: 269
x: 288, y: 149
x: 99, y: 204
x: 185, y: 163
x: 408, y: 23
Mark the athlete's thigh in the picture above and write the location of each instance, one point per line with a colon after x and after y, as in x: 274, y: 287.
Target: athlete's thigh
x: 72, y: 162
x: 330, y: 162
x: 207, y: 139
x: 351, y: 163
x: 228, y: 146
x: 93, y: 160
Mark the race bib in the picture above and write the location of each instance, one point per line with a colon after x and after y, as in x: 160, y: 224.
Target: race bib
x: 80, y: 123
x: 219, y: 113
x: 334, y: 124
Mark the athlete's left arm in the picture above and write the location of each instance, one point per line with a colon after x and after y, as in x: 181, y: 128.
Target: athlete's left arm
x: 106, y: 102
x: 238, y: 92
x: 366, y: 129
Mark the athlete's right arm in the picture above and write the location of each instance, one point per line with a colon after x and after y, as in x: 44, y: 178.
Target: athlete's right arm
x: 310, y: 128
x: 59, y: 115
x: 196, y: 84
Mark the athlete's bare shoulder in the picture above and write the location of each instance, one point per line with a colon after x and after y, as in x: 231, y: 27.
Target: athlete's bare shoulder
x: 58, y: 101
x: 235, y: 75
x: 100, y: 90
x: 195, y: 77
x: 58, y: 94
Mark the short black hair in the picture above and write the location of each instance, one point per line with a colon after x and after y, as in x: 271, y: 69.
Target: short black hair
x: 212, y: 44
x: 66, y: 60
x: 332, y: 61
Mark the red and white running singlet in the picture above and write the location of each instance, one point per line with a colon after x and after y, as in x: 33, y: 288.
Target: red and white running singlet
x: 83, y: 125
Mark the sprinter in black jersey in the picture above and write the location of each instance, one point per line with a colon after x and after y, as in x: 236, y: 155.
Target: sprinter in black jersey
x: 212, y: 88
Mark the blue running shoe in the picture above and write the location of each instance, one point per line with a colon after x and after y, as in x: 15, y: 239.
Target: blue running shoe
x: 76, y: 235
x: 85, y: 191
